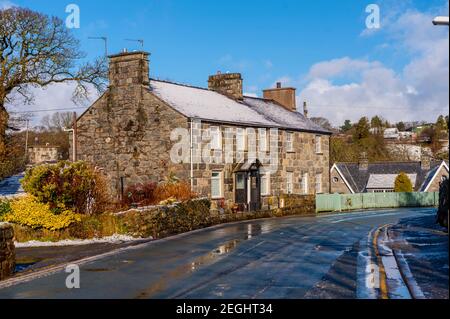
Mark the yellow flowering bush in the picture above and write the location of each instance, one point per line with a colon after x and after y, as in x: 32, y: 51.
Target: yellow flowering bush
x: 28, y: 211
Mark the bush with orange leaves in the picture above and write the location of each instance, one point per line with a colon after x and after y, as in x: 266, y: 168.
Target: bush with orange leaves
x: 178, y: 191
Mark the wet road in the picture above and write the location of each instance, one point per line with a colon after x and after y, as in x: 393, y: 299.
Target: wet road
x: 294, y: 257
x: 11, y: 186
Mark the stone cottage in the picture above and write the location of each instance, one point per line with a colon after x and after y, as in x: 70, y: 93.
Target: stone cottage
x: 130, y: 133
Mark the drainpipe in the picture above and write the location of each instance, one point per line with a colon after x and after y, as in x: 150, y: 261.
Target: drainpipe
x: 192, y: 153
x: 75, y: 136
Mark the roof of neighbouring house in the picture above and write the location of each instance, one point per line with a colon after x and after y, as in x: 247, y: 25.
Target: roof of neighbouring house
x: 379, y: 174
x: 386, y: 181
x: 208, y: 105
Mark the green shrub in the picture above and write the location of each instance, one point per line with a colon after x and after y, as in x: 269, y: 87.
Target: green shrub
x: 403, y: 184
x: 5, y: 207
x: 75, y: 186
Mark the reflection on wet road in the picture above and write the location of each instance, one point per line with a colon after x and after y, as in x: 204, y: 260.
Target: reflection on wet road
x: 270, y: 258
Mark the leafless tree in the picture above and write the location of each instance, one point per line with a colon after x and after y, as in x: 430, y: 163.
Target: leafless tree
x: 323, y: 122
x: 35, y: 51
x: 58, y: 121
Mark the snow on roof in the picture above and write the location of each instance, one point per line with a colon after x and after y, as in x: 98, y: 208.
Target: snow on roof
x: 205, y: 104
x: 282, y: 116
x: 386, y: 180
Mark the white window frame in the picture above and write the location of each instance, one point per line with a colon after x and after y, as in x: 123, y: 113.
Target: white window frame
x: 305, y: 183
x: 216, y: 138
x: 241, y: 139
x: 289, y: 182
x: 318, y: 144
x: 318, y: 183
x: 265, y: 180
x: 263, y: 139
x: 220, y: 178
x: 289, y: 141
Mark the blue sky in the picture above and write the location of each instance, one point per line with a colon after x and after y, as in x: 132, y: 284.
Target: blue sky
x: 321, y: 47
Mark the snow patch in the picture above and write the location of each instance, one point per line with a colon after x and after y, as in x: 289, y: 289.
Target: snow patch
x: 114, y: 239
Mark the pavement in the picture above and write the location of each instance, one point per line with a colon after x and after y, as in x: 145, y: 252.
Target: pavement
x: 329, y: 256
x: 11, y: 186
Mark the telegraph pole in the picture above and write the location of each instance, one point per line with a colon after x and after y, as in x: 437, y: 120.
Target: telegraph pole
x: 26, y: 139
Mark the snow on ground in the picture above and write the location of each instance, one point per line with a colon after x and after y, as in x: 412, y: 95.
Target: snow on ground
x: 114, y: 239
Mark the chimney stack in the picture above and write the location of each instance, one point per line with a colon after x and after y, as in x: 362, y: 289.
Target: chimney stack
x: 425, y: 162
x: 363, y: 162
x: 229, y: 84
x: 283, y: 96
x: 129, y: 68
x: 305, y: 109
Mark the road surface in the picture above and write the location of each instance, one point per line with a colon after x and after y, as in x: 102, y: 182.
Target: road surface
x: 11, y: 186
x: 294, y: 257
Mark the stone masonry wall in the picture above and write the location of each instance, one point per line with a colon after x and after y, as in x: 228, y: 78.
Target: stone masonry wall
x: 337, y: 184
x: 7, y: 251
x: 434, y: 187
x: 302, y: 160
x: 126, y: 133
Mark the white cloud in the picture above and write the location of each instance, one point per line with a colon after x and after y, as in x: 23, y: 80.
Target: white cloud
x: 5, y: 4
x: 417, y: 91
x: 53, y: 97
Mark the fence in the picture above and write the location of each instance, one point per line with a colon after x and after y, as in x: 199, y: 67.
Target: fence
x: 343, y: 202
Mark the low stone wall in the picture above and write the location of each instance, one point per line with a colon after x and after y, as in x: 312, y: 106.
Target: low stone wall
x: 163, y: 221
x: 7, y: 251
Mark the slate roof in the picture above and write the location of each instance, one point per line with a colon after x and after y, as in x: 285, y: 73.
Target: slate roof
x: 358, y: 179
x: 386, y: 181
x: 207, y: 105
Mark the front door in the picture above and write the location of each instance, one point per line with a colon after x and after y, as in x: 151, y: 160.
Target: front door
x: 241, y: 188
x: 255, y: 190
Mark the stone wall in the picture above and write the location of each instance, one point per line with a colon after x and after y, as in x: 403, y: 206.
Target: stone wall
x: 126, y: 133
x: 303, y: 159
x: 434, y: 186
x: 337, y: 183
x: 7, y: 251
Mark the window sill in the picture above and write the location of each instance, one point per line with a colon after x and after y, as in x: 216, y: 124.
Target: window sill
x: 217, y: 198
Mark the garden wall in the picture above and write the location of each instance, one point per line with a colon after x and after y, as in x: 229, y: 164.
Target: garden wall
x: 163, y: 221
x: 7, y: 251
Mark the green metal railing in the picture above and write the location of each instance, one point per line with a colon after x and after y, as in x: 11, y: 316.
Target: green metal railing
x: 343, y: 202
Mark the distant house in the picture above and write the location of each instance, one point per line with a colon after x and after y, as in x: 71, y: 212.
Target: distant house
x: 363, y: 177
x: 43, y: 154
x: 406, y: 135
x: 391, y: 134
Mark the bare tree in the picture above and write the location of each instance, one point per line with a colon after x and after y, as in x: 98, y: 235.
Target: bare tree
x: 58, y: 121
x: 323, y: 122
x: 35, y: 51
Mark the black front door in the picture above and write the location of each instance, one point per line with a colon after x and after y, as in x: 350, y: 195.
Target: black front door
x: 241, y: 188
x: 255, y: 190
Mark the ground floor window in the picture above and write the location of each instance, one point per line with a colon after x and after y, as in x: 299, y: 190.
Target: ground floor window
x: 265, y: 184
x: 216, y: 185
x: 318, y: 183
x: 305, y: 183
x: 289, y: 182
